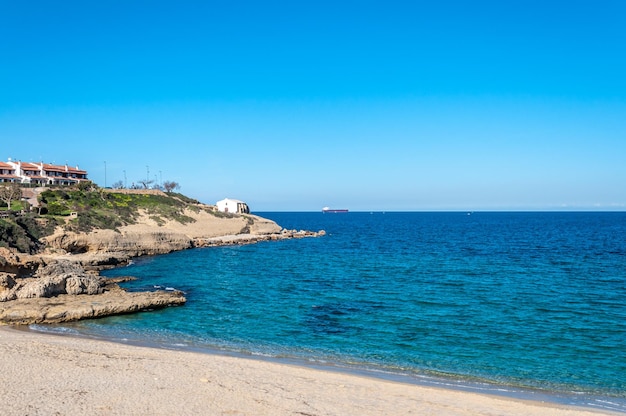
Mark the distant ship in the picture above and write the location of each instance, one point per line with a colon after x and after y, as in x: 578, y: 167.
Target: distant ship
x: 335, y: 211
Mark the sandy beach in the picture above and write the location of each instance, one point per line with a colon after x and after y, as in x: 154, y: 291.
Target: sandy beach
x: 45, y: 374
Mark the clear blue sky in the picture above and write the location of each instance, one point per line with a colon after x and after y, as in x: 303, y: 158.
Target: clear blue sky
x: 296, y: 105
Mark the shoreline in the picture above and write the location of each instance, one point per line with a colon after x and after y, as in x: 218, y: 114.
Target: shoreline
x: 388, y: 393
x: 547, y: 402
x: 377, y: 378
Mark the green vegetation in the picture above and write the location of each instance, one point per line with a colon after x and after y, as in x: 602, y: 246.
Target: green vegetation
x: 85, y: 209
x: 111, y: 210
x: 15, y: 206
x: 23, y: 232
x: 221, y: 214
x: 246, y: 229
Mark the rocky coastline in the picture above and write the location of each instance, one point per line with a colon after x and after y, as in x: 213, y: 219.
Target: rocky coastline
x: 63, y: 284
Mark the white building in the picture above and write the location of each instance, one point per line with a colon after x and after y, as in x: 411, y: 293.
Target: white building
x: 232, y: 206
x: 41, y: 173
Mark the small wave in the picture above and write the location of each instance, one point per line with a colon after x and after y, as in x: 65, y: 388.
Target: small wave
x: 168, y: 288
x: 261, y: 354
x: 53, y: 329
x: 607, y: 405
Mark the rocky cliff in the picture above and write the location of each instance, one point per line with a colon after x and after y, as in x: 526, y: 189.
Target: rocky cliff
x: 147, y: 237
x: 61, y: 284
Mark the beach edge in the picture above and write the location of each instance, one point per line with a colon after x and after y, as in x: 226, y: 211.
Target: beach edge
x: 47, y: 373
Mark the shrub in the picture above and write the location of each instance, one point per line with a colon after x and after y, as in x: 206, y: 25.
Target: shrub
x: 14, y: 236
x: 58, y: 208
x: 96, y: 208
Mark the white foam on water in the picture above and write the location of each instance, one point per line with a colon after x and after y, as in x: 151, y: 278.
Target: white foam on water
x: 53, y: 329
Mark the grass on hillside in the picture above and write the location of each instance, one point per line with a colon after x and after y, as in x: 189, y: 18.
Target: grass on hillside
x: 94, y: 209
x: 15, y: 206
x: 23, y: 232
x: 110, y: 210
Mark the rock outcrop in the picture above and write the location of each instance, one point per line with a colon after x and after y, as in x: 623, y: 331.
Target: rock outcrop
x: 57, y: 278
x: 146, y: 237
x: 133, y: 244
x: 240, y: 239
x: 18, y: 265
x: 65, y: 308
x: 62, y: 284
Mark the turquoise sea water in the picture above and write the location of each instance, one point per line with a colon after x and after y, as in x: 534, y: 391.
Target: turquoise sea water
x: 527, y: 304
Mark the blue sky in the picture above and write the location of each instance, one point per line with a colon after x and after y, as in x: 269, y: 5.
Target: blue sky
x: 366, y: 105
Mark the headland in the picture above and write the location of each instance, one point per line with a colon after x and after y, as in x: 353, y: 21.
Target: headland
x: 59, y: 280
x: 61, y: 283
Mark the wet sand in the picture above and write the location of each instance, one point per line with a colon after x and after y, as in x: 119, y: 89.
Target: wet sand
x: 42, y: 374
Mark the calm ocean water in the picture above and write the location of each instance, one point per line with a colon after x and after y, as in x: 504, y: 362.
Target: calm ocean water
x: 527, y: 304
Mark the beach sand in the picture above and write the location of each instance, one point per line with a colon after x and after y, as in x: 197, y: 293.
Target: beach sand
x: 43, y: 374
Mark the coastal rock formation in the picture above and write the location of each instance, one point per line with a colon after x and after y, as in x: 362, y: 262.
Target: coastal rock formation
x: 62, y: 283
x: 63, y: 291
x: 7, y: 282
x: 52, y: 289
x: 147, y: 237
x: 59, y: 277
x: 17, y: 265
x: 133, y: 244
x: 65, y: 308
x: 254, y: 238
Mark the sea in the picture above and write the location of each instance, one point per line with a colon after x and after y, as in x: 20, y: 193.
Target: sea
x: 529, y: 305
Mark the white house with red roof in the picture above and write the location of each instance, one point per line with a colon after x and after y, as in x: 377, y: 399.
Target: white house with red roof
x: 41, y: 174
x: 7, y: 173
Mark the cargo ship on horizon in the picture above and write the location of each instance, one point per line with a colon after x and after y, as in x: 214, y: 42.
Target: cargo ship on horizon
x: 334, y: 211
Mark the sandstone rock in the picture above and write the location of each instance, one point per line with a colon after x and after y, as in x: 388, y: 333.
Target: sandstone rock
x: 58, y: 277
x: 133, y: 244
x: 263, y: 226
x: 21, y: 266
x: 240, y: 239
x: 41, y: 288
x: 60, y: 268
x: 7, y: 282
x: 78, y: 285
x: 66, y: 308
x: 56, y: 287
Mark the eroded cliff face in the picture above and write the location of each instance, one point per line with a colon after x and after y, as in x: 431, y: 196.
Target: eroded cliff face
x: 62, y: 284
x: 131, y: 243
x: 147, y: 237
